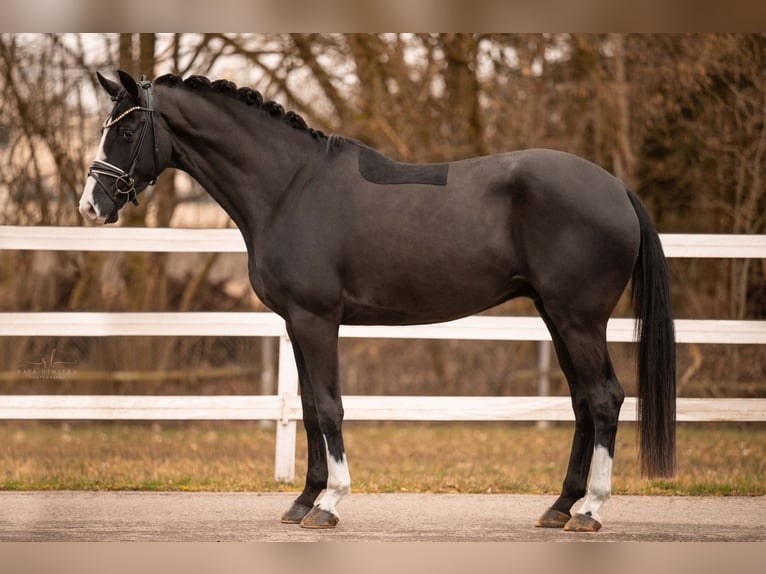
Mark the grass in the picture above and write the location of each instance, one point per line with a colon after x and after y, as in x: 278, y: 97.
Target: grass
x: 713, y: 460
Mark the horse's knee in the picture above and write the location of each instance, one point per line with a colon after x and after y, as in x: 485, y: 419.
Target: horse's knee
x: 330, y: 416
x: 605, y: 403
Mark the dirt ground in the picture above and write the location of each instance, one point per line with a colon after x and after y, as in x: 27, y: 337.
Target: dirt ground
x: 254, y: 517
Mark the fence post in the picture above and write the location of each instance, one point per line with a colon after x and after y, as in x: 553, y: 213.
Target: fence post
x: 268, y: 373
x: 287, y: 388
x: 543, y: 374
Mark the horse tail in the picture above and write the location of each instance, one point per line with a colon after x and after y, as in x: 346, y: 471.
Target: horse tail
x: 656, y: 359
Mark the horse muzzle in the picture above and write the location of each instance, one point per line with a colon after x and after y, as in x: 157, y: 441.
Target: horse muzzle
x: 89, y: 211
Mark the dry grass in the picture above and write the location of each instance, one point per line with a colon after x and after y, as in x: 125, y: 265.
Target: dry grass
x: 413, y: 457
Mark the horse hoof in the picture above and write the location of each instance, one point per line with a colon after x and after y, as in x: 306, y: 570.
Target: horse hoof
x: 318, y: 518
x: 553, y: 518
x: 582, y: 523
x: 295, y: 514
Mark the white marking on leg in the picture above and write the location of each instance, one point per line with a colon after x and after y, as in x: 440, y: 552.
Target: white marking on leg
x: 338, y: 482
x: 87, y: 205
x: 600, y: 484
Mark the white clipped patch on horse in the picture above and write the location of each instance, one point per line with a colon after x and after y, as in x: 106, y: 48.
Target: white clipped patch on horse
x: 338, y: 482
x: 87, y: 204
x: 600, y: 485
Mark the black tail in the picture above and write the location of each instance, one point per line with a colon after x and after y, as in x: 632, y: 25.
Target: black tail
x: 656, y: 360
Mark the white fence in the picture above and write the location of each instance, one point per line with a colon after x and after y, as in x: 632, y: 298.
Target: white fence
x: 284, y: 407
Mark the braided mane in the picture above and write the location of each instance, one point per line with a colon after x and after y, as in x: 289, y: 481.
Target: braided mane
x: 249, y: 96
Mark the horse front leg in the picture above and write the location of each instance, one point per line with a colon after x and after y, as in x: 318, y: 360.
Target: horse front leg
x: 316, y: 474
x: 316, y: 339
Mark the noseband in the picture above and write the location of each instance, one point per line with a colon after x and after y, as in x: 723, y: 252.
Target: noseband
x: 124, y: 182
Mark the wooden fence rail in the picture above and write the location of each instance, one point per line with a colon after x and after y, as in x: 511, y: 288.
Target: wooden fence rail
x: 161, y: 239
x: 284, y: 407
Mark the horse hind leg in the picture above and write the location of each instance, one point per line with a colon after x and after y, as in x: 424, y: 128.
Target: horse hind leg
x: 596, y: 398
x: 604, y: 396
x: 574, y: 486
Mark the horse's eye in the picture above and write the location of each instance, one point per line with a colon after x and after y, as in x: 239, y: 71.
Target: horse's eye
x: 127, y: 135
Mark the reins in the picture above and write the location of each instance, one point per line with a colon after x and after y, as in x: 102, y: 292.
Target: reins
x: 124, y: 182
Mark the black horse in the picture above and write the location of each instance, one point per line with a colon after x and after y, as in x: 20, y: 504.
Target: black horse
x: 337, y: 233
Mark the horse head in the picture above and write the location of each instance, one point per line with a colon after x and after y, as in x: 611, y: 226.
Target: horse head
x: 128, y: 159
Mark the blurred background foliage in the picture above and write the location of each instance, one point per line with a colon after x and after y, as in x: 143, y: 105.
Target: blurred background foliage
x: 681, y: 118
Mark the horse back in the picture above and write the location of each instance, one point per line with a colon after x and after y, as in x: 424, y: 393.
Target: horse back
x: 461, y: 237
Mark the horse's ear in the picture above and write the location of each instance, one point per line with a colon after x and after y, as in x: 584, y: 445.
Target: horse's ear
x: 112, y: 88
x: 129, y: 84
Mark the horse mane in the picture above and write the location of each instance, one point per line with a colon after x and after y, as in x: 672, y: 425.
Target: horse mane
x: 249, y: 96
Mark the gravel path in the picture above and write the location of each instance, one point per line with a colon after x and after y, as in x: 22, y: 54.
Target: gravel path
x: 202, y: 516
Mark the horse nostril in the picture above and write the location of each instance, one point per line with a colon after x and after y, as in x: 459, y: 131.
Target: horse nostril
x: 88, y: 211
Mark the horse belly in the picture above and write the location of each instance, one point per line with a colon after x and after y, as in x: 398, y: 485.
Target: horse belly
x: 394, y: 301
x: 419, y: 273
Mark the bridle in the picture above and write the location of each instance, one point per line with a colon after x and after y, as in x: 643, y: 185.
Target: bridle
x: 124, y: 182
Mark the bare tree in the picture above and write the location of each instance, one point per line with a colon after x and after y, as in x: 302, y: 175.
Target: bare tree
x: 681, y: 118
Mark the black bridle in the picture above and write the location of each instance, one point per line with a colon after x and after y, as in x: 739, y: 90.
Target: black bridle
x: 124, y: 182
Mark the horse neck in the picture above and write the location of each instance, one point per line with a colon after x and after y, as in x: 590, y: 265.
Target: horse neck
x: 243, y: 158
